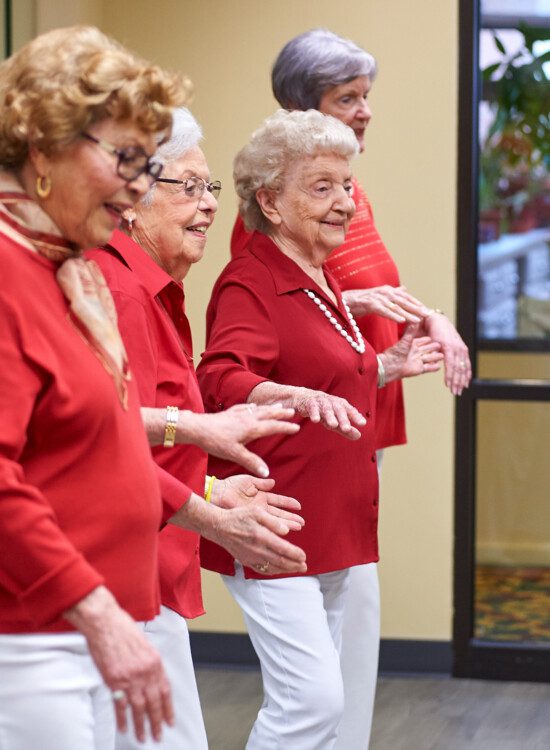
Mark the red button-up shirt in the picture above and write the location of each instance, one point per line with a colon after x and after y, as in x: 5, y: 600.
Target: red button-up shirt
x: 360, y: 263
x: 157, y: 336
x: 79, y: 499
x: 261, y: 326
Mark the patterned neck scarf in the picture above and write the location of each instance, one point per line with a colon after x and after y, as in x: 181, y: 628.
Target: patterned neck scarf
x: 91, y: 304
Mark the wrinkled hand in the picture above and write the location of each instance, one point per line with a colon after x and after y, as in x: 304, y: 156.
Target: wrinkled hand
x: 393, y: 302
x: 225, y: 433
x: 242, y: 489
x: 458, y: 368
x: 332, y: 412
x: 252, y: 535
x: 412, y: 355
x: 126, y: 661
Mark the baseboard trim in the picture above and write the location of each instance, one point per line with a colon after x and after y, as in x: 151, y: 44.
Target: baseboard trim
x: 396, y: 656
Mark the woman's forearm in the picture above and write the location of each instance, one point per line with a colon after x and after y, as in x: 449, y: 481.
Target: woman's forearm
x: 269, y: 392
x: 154, y: 421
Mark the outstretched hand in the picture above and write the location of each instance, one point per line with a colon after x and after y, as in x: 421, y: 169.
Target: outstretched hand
x: 393, y: 302
x: 458, y: 368
x: 332, y: 412
x: 412, y: 355
x: 242, y: 489
x: 225, y: 434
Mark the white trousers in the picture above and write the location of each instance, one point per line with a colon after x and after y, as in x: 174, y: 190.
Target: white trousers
x: 295, y: 625
x: 359, y: 653
x: 52, y: 696
x: 168, y: 633
x: 359, y: 657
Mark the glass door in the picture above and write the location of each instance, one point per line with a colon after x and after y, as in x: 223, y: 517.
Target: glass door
x: 502, y: 552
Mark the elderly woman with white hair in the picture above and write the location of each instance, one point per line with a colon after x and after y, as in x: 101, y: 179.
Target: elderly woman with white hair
x: 145, y: 270
x: 279, y: 331
x: 321, y: 70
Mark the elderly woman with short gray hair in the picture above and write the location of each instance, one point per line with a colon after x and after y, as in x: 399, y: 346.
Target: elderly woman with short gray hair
x: 280, y: 332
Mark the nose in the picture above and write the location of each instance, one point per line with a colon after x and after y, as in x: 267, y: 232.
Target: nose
x: 364, y: 111
x: 343, y: 201
x: 140, y: 185
x: 208, y: 203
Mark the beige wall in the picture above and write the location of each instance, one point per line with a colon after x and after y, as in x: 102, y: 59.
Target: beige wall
x: 409, y: 171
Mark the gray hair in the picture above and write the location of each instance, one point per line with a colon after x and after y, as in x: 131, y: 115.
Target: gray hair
x: 313, y: 62
x: 281, y: 140
x: 186, y: 134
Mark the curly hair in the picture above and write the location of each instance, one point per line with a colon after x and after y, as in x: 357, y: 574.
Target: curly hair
x: 281, y: 140
x: 64, y: 80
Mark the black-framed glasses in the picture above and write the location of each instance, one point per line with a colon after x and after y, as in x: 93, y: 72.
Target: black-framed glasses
x: 132, y: 161
x: 194, y: 187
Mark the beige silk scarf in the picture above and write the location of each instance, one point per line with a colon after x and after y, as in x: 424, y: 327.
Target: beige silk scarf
x: 91, y: 304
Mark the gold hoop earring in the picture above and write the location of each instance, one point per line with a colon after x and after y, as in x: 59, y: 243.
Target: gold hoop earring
x: 43, y: 186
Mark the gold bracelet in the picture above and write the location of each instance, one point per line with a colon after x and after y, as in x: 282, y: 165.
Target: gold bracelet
x: 210, y: 485
x: 170, y: 427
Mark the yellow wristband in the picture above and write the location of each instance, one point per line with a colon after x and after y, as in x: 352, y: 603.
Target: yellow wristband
x: 209, y: 486
x: 170, y: 426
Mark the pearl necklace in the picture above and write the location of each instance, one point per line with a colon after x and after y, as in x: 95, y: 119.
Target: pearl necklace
x: 358, y: 345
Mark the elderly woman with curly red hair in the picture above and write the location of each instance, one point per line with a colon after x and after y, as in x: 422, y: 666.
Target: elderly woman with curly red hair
x: 79, y: 499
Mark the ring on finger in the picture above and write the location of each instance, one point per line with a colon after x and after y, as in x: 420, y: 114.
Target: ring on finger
x: 118, y: 695
x: 262, y: 567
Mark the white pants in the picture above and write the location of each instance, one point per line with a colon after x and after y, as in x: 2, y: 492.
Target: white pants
x: 295, y: 625
x: 169, y: 635
x: 359, y: 657
x: 359, y: 654
x: 52, y: 696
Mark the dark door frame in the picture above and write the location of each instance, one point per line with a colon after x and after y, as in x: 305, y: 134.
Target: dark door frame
x: 471, y: 657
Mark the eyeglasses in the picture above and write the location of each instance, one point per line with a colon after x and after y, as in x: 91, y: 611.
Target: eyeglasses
x: 194, y: 187
x: 132, y: 161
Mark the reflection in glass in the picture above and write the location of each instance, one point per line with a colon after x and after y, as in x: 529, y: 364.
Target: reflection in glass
x: 514, y: 173
x: 512, y: 587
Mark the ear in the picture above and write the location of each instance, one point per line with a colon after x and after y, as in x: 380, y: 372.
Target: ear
x: 267, y: 201
x: 39, y: 161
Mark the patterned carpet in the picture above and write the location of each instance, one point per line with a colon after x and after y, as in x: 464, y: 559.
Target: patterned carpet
x: 512, y: 604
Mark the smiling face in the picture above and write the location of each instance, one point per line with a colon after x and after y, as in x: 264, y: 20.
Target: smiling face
x: 348, y: 103
x: 87, y: 196
x: 173, y: 228
x: 313, y: 210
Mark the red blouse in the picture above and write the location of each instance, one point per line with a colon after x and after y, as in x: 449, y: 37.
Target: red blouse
x: 79, y: 499
x: 362, y: 262
x: 157, y: 336
x: 261, y: 326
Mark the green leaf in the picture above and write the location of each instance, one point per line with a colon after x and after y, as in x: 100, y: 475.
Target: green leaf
x: 499, y: 44
x: 489, y: 70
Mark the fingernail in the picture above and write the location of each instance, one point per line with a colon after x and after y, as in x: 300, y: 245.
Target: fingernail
x: 263, y: 472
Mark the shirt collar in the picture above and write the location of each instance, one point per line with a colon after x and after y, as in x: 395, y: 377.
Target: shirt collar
x: 287, y: 275
x: 151, y: 275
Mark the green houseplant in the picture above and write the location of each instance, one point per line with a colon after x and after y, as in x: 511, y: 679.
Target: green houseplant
x: 515, y: 156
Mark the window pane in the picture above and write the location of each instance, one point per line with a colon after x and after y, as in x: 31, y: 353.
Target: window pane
x: 512, y: 595
x: 514, y: 174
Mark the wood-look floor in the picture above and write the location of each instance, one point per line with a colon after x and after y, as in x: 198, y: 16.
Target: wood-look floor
x: 411, y: 713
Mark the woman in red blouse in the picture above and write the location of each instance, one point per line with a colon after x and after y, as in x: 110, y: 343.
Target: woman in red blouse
x: 145, y: 270
x: 321, y: 70
x: 79, y: 499
x: 279, y: 331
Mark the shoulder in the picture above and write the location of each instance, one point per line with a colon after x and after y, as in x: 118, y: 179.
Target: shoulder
x: 121, y: 280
